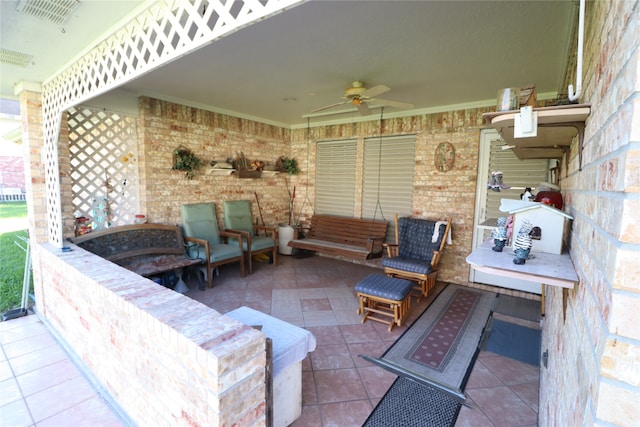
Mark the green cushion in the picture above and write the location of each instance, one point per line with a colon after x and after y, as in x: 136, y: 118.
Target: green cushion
x: 237, y: 215
x: 199, y: 220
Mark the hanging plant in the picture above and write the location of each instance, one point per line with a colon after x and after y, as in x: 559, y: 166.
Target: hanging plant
x: 185, y: 160
x: 289, y: 165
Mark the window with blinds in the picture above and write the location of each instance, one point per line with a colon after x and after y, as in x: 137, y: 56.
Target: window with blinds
x: 388, y: 177
x: 336, y: 177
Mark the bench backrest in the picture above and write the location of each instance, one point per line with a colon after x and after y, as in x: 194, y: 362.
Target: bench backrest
x: 415, y: 238
x: 128, y: 241
x: 346, y: 230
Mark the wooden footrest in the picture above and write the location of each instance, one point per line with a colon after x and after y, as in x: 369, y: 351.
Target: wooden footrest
x: 384, y: 299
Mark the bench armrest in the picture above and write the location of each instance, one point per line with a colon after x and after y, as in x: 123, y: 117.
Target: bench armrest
x: 372, y: 247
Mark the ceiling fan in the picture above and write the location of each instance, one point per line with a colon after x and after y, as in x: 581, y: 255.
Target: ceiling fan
x: 360, y: 96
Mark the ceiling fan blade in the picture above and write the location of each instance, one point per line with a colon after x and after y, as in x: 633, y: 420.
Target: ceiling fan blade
x: 394, y: 104
x: 326, y: 107
x: 375, y: 91
x: 364, y: 109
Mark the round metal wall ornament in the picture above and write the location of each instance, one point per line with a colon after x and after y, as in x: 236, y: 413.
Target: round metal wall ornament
x: 445, y: 157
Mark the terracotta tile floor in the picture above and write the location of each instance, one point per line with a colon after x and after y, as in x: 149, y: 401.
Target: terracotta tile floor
x: 40, y: 386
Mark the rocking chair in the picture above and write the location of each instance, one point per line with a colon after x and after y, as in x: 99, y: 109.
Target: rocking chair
x: 416, y: 253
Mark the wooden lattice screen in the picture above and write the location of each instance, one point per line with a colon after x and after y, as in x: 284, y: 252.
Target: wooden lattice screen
x: 157, y: 35
x: 104, y: 166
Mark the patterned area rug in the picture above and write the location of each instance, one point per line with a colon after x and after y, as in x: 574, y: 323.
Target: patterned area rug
x: 410, y: 404
x: 439, y: 348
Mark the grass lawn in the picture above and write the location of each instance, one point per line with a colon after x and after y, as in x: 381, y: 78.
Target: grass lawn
x: 11, y: 256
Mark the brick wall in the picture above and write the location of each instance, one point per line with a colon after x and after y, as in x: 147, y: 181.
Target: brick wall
x: 165, y: 358
x: 593, y: 375
x: 163, y: 126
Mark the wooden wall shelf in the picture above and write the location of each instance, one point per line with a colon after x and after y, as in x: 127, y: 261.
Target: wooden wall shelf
x: 557, y: 126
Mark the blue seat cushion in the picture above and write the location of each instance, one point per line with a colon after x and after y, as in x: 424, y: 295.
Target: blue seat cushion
x: 257, y: 243
x: 219, y: 252
x: 407, y: 264
x: 415, y: 237
x: 382, y: 286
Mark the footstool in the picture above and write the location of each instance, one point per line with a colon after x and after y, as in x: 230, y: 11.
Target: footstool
x: 384, y: 299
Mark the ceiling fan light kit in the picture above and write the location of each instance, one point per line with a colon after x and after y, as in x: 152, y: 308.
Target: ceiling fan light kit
x: 363, y: 98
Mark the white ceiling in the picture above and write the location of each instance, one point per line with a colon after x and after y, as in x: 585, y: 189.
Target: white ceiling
x: 433, y: 54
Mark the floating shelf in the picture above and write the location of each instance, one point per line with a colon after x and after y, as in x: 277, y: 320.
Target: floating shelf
x: 557, y: 126
x: 220, y: 171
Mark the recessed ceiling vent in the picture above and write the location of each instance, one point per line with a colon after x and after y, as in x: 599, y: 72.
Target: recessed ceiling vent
x: 15, y: 58
x: 55, y: 11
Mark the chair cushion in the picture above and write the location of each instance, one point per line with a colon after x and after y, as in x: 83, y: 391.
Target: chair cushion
x: 415, y: 238
x: 237, y: 215
x: 260, y: 242
x: 199, y: 220
x: 382, y: 286
x: 406, y: 264
x: 223, y: 251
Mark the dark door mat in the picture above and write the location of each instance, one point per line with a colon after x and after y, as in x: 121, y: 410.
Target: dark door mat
x: 518, y: 307
x: 409, y: 404
x: 514, y: 341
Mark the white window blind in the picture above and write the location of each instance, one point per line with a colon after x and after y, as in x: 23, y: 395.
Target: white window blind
x: 388, y: 177
x: 335, y: 177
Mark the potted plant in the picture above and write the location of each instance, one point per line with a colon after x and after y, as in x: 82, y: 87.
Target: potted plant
x: 288, y: 164
x: 184, y: 160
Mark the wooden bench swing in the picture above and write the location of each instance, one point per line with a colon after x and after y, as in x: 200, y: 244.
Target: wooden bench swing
x: 352, y: 238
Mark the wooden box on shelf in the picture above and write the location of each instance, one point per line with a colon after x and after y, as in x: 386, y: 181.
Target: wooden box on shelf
x: 249, y: 173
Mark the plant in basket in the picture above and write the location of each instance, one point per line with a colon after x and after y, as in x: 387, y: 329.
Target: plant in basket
x: 288, y: 165
x: 185, y: 160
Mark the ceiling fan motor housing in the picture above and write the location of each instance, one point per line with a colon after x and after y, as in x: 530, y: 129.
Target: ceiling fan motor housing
x: 355, y: 92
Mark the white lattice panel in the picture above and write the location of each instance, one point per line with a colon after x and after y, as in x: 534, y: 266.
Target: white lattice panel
x: 104, y: 166
x: 165, y: 31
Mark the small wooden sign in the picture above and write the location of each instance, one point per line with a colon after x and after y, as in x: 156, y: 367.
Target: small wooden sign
x: 445, y: 157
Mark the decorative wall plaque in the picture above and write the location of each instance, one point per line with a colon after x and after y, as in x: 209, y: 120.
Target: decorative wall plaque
x: 445, y: 157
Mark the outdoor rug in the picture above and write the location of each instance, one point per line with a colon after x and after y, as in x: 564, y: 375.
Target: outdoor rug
x: 514, y: 341
x: 440, y: 346
x: 410, y: 404
x: 518, y: 307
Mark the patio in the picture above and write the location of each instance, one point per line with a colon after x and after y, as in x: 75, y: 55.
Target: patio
x: 43, y: 386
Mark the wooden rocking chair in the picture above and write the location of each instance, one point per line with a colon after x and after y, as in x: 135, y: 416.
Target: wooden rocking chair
x: 416, y: 253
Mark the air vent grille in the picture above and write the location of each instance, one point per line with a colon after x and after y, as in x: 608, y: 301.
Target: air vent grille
x: 15, y: 58
x: 56, y: 11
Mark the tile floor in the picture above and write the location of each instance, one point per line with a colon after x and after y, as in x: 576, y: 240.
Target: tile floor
x: 40, y: 386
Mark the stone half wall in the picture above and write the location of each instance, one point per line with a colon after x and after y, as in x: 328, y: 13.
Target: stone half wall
x: 166, y: 359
